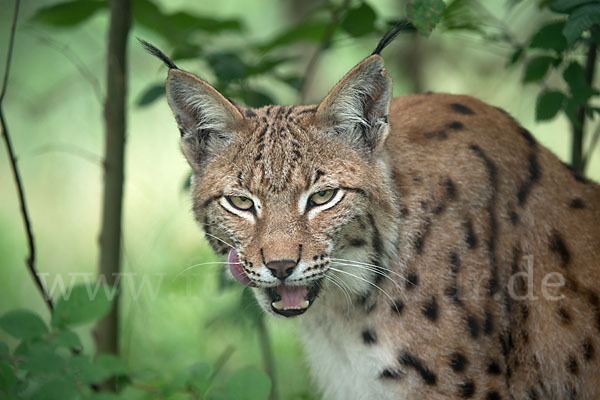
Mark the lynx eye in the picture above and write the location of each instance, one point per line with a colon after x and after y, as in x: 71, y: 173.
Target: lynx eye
x: 322, y: 197
x: 240, y: 202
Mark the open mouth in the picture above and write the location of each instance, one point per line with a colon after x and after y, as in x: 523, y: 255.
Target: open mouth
x: 288, y: 301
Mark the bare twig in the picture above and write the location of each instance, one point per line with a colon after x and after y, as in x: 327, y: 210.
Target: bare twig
x: 325, y: 43
x: 592, y: 146
x: 30, y: 261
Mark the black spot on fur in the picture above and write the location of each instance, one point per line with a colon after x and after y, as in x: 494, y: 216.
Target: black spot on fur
x: 452, y: 292
x: 473, y: 326
x: 420, y: 239
x: 534, y: 176
x: 454, y: 262
x: 572, y: 366
x: 564, y: 316
x: 369, y: 336
x: 588, y: 349
x: 528, y: 136
x: 397, y: 306
x: 532, y: 394
x: 411, y: 361
x: 391, y: 373
x: 461, y: 108
x: 456, y: 125
x: 450, y: 189
x: 492, y: 395
x: 458, y: 362
x: 577, y: 203
x: 493, y: 368
x: 357, y: 242
x: 488, y: 323
x: 466, y: 390
x: 557, y: 245
x: 412, y: 280
x: 470, y: 237
x: 250, y: 113
x: 430, y: 309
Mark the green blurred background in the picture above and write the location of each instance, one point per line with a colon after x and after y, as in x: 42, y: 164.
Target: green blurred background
x: 54, y: 112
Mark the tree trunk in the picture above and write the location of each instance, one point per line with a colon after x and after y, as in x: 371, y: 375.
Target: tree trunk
x: 107, y: 331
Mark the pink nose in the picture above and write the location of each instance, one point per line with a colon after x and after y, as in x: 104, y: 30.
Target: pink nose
x: 281, y: 268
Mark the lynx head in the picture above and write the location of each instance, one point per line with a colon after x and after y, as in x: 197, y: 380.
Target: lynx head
x: 286, y: 193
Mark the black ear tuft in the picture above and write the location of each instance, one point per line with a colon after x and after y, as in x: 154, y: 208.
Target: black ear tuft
x: 389, y: 36
x: 157, y: 53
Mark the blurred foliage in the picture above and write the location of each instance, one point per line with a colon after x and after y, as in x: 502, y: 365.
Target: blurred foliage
x: 48, y: 362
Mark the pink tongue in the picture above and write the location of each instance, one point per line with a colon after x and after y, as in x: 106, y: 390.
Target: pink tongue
x: 292, y: 296
x: 236, y: 269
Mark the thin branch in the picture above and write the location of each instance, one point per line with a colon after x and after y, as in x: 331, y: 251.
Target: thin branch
x: 267, y: 354
x: 30, y: 261
x: 325, y: 43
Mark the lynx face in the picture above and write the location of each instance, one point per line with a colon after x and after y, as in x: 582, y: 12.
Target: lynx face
x: 285, y: 192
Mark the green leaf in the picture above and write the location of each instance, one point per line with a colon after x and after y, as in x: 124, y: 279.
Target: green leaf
x: 565, y: 6
x: 360, y: 20
x: 248, y: 384
x: 463, y: 15
x: 580, y: 90
x: 58, y: 388
x: 425, y: 14
x: 582, y: 19
x: 308, y: 30
x: 66, y: 339
x: 227, y: 66
x: 7, y: 375
x: 41, y: 359
x: 94, y: 372
x: 4, y: 350
x: 23, y: 324
x: 151, y: 94
x: 537, y: 68
x: 516, y: 56
x: 548, y: 104
x: 69, y: 13
x: 550, y: 37
x: 186, y: 51
x: 82, y: 306
x: 199, y: 377
x: 176, y: 28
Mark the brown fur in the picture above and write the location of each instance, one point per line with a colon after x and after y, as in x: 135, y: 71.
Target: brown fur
x: 448, y: 205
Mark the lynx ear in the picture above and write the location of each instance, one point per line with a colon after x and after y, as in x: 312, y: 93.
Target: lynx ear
x: 356, y: 109
x: 206, y: 119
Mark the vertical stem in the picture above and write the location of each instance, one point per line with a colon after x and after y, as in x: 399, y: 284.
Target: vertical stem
x: 577, y: 159
x: 267, y: 354
x: 112, y: 202
x: 30, y: 261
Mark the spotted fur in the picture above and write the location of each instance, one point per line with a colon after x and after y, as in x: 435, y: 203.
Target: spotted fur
x: 459, y: 260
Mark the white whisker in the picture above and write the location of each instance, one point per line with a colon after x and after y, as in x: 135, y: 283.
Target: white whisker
x: 198, y: 265
x: 370, y: 265
x: 364, y: 280
x: 219, y: 239
x: 370, y: 269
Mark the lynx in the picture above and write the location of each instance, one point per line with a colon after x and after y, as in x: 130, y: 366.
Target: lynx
x: 433, y: 248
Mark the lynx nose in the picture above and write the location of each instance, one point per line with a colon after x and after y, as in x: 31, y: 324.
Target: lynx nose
x: 281, y: 268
